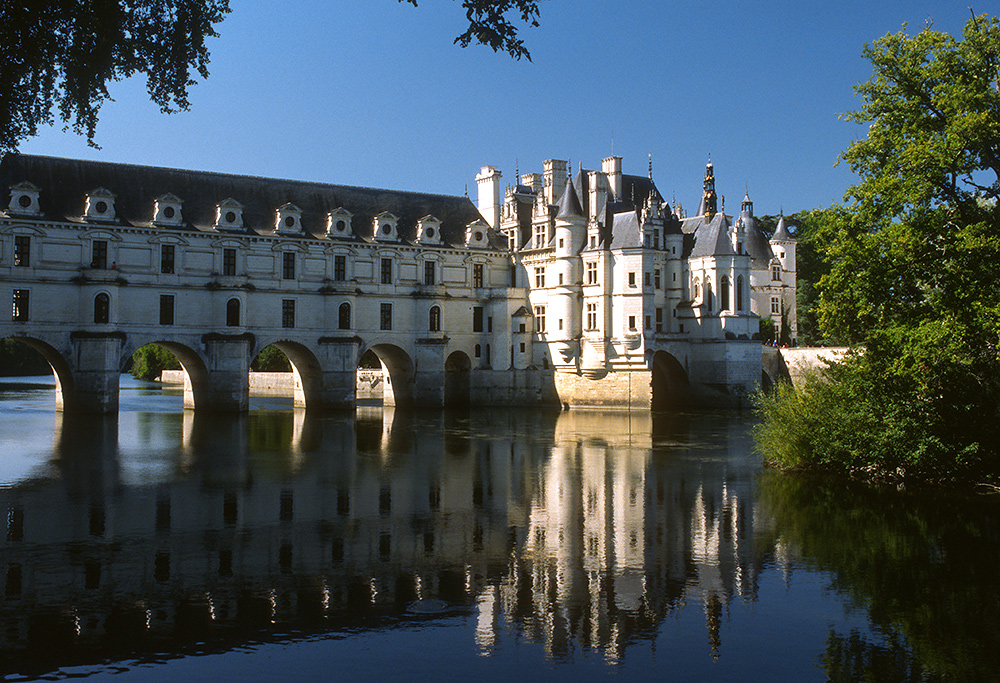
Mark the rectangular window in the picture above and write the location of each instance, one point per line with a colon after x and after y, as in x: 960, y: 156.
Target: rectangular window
x: 646, y: 279
x: 166, y: 309
x: 99, y: 254
x: 229, y: 262
x: 649, y: 323
x: 539, y: 276
x: 592, y: 273
x: 288, y: 312
x: 339, y: 268
x: 631, y: 322
x: 513, y: 276
x: 656, y: 239
x: 166, y: 258
x: 385, y: 317
x: 560, y: 323
x: 631, y: 279
x: 591, y: 316
x: 775, y: 305
x: 560, y: 278
x: 22, y: 250
x: 387, y: 271
x: 540, y: 318
x: 539, y: 236
x: 489, y: 324
x: 288, y: 265
x: 776, y: 272
x: 656, y: 279
x: 593, y: 241
x: 659, y: 320
x: 20, y: 306
x: 429, y: 272
x: 477, y: 274
x: 477, y: 318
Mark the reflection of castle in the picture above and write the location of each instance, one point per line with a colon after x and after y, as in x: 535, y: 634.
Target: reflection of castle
x: 563, y: 536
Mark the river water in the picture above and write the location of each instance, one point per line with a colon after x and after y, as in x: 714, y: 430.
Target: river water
x: 486, y: 545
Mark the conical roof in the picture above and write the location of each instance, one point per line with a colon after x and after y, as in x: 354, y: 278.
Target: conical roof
x: 781, y: 233
x: 569, y: 204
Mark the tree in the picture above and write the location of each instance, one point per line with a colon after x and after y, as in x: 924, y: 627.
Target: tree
x: 912, y: 281
x: 61, y: 54
x: 150, y: 360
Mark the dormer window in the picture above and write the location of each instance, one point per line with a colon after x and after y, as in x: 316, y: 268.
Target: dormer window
x: 384, y: 227
x: 24, y: 199
x: 167, y: 210
x: 100, y: 205
x: 475, y: 235
x: 228, y: 215
x: 288, y: 220
x: 429, y: 230
x: 338, y: 223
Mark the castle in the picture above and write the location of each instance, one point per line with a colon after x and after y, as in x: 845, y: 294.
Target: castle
x: 587, y: 291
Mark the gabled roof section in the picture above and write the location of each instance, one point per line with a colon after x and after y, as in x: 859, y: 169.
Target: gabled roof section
x: 625, y: 231
x: 712, y: 238
x: 66, y: 183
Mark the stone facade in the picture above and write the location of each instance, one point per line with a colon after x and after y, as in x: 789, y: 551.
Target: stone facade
x: 548, y: 297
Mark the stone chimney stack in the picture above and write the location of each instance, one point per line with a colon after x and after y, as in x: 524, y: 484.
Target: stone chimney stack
x: 612, y: 167
x: 489, y: 205
x: 555, y: 180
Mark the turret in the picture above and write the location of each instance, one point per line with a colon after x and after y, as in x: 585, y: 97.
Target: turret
x: 783, y: 246
x: 564, y: 300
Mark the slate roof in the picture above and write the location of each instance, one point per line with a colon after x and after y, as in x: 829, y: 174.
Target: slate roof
x: 569, y: 204
x: 712, y: 238
x: 65, y: 184
x: 781, y: 233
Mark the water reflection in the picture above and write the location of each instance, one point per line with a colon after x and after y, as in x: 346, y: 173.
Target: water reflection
x: 577, y: 531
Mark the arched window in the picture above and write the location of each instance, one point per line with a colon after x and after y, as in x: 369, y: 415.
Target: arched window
x: 344, y: 316
x: 696, y: 292
x: 708, y: 295
x: 739, y: 292
x: 102, y: 308
x: 233, y: 313
x: 434, y: 324
x: 724, y: 294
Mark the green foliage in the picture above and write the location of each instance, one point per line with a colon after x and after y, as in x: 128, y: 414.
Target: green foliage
x: 62, y: 54
x: 150, y: 360
x: 909, y: 276
x: 271, y: 359
x: 19, y: 359
x: 767, y: 329
x: 489, y: 26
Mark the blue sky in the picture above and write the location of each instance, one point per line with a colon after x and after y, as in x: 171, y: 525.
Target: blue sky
x: 374, y: 93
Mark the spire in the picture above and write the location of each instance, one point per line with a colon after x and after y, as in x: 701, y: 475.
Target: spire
x: 650, y: 165
x: 746, y: 208
x: 708, y: 200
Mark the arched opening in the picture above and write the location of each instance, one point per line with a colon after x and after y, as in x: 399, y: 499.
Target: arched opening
x: 24, y: 357
x: 739, y: 293
x: 724, y: 294
x: 434, y: 322
x: 233, y: 312
x: 670, y: 386
x: 287, y: 368
x: 456, y: 380
x: 102, y: 308
x: 709, y: 303
x: 385, y: 373
x: 150, y: 360
x: 344, y: 316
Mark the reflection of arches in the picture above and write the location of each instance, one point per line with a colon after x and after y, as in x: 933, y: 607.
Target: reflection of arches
x: 60, y: 369
x: 456, y: 379
x: 397, y: 371
x: 669, y: 382
x: 102, y: 308
x: 233, y: 312
x: 306, y: 372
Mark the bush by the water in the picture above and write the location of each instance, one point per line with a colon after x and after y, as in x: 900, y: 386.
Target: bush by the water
x: 150, y: 360
x: 19, y: 359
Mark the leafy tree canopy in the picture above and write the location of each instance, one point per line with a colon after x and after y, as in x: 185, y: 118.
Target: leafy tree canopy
x: 58, y: 56
x: 910, y: 276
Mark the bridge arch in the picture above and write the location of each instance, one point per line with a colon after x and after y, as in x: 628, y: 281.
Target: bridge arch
x: 196, y: 375
x: 670, y: 386
x: 61, y: 370
x: 457, y: 368
x: 398, y: 371
x: 306, y: 370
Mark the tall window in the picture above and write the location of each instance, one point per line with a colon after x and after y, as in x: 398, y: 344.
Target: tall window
x: 739, y: 292
x: 22, y: 250
x: 539, y: 276
x: 387, y: 271
x: 631, y: 322
x: 477, y: 318
x: 288, y: 313
x: 339, y: 267
x: 99, y: 254
x: 288, y: 265
x: 344, y: 316
x: 477, y: 274
x: 429, y: 272
x: 385, y: 316
x: 166, y: 258
x: 656, y: 278
x: 102, y: 308
x: 20, y: 306
x: 166, y: 309
x: 775, y: 271
x: 229, y: 262
x: 233, y: 312
x: 631, y: 279
x: 659, y: 320
x: 591, y: 316
x: 724, y: 294
x: 775, y: 305
x: 591, y: 272
x: 539, y: 236
x: 434, y: 323
x: 540, y: 318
